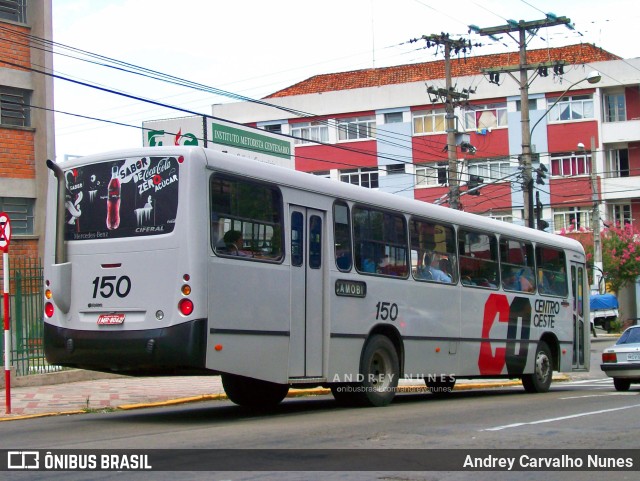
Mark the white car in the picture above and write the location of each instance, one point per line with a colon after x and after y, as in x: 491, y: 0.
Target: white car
x: 622, y: 360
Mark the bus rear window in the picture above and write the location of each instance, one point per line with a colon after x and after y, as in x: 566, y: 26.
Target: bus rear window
x: 131, y: 197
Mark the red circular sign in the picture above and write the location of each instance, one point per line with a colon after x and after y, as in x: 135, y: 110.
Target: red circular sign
x: 5, y: 231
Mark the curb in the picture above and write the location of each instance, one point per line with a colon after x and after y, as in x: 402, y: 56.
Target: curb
x: 293, y: 393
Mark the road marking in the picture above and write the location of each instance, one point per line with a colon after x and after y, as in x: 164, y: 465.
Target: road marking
x: 585, y: 381
x: 601, y: 395
x: 562, y: 418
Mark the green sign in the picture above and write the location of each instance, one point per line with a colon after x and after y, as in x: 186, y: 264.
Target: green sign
x: 224, y: 135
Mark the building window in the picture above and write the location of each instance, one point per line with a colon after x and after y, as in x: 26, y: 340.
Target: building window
x: 393, y: 169
x: 356, y: 128
x: 572, y: 219
x: 614, y: 108
x: 20, y: 211
x: 570, y: 165
x: 365, y: 177
x: 617, y: 163
x: 429, y: 121
x: 502, y: 216
x: 308, y: 132
x: 432, y: 175
x: 14, y: 10
x: 393, y: 118
x: 275, y: 128
x: 486, y: 117
x: 533, y: 105
x: 490, y: 170
x: 576, y: 107
x: 322, y: 173
x: 620, y: 214
x: 14, y: 106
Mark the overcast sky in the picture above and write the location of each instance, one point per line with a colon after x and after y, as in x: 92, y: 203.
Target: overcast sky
x: 255, y: 47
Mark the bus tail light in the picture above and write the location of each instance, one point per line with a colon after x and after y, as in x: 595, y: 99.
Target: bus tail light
x: 609, y: 357
x: 186, y: 307
x: 48, y: 309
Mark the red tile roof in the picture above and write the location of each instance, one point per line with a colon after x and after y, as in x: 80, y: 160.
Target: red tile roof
x: 376, y: 77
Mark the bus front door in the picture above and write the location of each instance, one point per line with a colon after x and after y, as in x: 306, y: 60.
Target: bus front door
x: 307, y: 275
x: 581, y: 332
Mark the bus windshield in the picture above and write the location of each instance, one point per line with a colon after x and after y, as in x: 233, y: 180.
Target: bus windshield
x: 136, y: 196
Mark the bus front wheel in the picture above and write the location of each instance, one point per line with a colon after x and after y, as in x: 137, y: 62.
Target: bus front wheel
x: 540, y: 380
x: 253, y: 393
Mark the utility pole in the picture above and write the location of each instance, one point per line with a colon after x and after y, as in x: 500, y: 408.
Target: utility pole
x: 449, y: 97
x: 595, y: 219
x: 523, y: 67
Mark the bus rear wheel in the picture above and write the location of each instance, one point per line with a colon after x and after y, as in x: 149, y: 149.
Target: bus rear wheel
x: 378, y: 377
x: 253, y: 393
x: 380, y: 370
x: 540, y: 380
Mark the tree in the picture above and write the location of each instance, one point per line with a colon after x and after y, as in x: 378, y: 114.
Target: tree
x: 620, y: 256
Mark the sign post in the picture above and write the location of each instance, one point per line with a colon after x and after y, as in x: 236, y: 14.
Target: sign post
x: 5, y: 240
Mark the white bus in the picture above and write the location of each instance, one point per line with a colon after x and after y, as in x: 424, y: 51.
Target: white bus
x: 184, y: 260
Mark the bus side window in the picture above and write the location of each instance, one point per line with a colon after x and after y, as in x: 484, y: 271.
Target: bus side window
x: 433, y: 252
x: 380, y: 240
x: 342, y: 236
x: 246, y: 219
x: 516, y: 265
x: 552, y: 276
x: 297, y: 239
x: 478, y: 259
x: 315, y: 242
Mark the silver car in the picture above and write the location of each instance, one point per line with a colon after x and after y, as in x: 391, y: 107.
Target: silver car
x: 622, y: 360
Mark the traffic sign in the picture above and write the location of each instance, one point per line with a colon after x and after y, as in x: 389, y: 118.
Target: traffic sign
x: 5, y: 232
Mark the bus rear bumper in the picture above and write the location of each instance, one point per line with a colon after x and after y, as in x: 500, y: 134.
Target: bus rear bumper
x: 176, y: 349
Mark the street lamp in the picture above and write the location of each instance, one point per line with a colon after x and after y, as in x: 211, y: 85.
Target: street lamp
x: 593, y: 78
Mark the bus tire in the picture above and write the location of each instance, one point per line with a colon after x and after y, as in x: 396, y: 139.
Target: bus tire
x: 621, y: 384
x: 253, y: 393
x: 379, y: 370
x: 442, y: 386
x: 542, y: 375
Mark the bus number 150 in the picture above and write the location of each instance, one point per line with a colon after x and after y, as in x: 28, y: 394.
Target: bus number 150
x: 107, y: 285
x: 387, y: 310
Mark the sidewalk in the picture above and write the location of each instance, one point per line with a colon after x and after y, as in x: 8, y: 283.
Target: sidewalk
x: 122, y: 393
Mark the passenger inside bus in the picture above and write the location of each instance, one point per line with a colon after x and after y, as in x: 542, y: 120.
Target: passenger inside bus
x: 234, y: 244
x: 429, y: 272
x: 519, y: 279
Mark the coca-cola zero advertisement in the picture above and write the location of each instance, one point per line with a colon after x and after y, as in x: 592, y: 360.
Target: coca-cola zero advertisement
x: 122, y: 198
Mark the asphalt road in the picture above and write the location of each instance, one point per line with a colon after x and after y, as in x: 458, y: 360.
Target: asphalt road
x: 584, y: 413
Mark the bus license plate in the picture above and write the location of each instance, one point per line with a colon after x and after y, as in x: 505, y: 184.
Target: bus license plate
x: 633, y: 357
x: 110, y: 319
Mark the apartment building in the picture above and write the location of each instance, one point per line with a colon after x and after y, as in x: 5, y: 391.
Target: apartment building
x: 382, y: 129
x: 26, y: 126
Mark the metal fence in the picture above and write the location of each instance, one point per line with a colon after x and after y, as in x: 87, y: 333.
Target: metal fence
x: 26, y: 311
